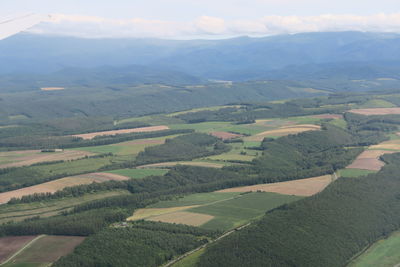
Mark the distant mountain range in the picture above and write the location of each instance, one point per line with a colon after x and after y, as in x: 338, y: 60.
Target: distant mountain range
x: 347, y: 55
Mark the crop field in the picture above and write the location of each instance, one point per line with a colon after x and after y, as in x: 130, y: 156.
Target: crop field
x: 11, y: 244
x: 54, y: 186
x: 126, y: 148
x: 89, y: 136
x: 387, y: 145
x: 369, y: 160
x: 302, y: 187
x: 221, y: 211
x: 384, y: 253
x: 376, y: 111
x: 139, y: 173
x: 45, y: 250
x: 283, y: 131
x: 19, y: 212
x: 328, y: 116
x: 29, y: 157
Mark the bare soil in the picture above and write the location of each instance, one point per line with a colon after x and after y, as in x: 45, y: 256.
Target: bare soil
x: 123, y: 131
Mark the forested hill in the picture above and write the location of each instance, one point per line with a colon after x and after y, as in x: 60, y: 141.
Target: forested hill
x: 231, y: 59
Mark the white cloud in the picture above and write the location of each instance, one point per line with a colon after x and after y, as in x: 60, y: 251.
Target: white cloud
x: 205, y: 26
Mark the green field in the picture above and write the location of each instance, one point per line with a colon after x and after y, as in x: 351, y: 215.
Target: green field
x: 377, y: 103
x: 238, y: 211
x: 383, y: 253
x: 354, y: 172
x: 230, y: 209
x: 18, y: 212
x: 190, y: 260
x: 124, y: 148
x: 139, y: 173
x: 238, y: 152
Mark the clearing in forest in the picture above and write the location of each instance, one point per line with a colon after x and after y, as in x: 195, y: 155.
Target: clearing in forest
x: 89, y: 136
x: 369, y: 160
x: 28, y: 157
x: 46, y: 250
x: 59, y: 184
x: 376, y: 111
x: 283, y: 131
x: 225, y: 135
x: 302, y: 187
x: 174, y: 163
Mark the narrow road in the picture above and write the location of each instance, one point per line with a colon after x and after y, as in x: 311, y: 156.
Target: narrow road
x: 172, y: 262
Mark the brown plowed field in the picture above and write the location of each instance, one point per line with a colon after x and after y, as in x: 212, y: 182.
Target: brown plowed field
x: 376, y: 111
x: 225, y: 135
x: 123, y: 131
x: 369, y: 160
x: 48, y: 249
x: 29, y: 157
x: 183, y: 217
x: 302, y: 187
x: 59, y: 184
x: 11, y: 244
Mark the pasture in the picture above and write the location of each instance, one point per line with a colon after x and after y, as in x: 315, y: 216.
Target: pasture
x: 220, y: 211
x: 45, y: 250
x: 19, y: 212
x: 59, y: 184
x: 174, y: 163
x: 383, y: 253
x: 354, y: 172
x: 28, y: 157
x: 126, y: 148
x: 302, y: 187
x: 88, y: 136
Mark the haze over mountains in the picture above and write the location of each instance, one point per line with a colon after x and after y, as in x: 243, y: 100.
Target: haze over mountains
x: 348, y: 55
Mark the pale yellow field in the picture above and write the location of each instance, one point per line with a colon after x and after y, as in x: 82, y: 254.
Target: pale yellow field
x: 123, y: 131
x: 183, y: 217
x: 59, y: 184
x: 390, y: 145
x: 376, y: 111
x: 29, y: 157
x: 141, y: 214
x: 302, y: 187
x: 283, y: 131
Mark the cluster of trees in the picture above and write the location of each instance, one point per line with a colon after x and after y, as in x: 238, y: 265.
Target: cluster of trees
x: 185, y: 147
x: 47, y: 141
x: 143, y: 244
x: 324, y: 230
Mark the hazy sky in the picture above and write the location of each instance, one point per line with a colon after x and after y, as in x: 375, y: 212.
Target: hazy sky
x: 193, y: 18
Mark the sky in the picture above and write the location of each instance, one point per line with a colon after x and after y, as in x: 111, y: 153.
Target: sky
x: 188, y: 19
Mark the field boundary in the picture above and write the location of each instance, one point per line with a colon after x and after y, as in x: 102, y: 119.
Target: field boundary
x: 30, y: 243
